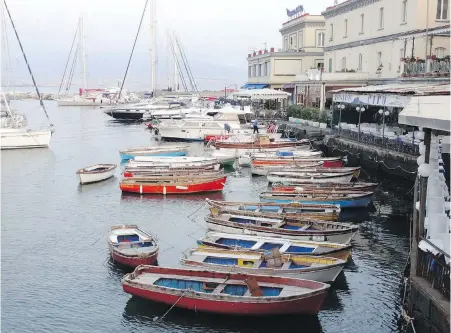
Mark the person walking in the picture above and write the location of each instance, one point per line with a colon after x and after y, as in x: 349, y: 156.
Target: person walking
x: 227, y: 128
x: 255, y: 126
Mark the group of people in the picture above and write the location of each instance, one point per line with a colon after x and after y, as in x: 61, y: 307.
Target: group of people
x: 270, y: 129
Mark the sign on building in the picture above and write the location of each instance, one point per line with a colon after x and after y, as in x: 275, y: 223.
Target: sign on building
x: 372, y: 99
x: 295, y: 12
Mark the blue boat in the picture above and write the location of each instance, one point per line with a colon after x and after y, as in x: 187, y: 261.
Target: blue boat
x: 168, y: 151
x: 343, y: 199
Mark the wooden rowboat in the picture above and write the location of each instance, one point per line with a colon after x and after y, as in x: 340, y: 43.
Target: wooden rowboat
x: 226, y: 293
x: 322, y: 269
x: 346, y: 199
x: 285, y: 246
x: 157, y: 185
x: 132, y: 153
x: 291, y: 155
x: 299, y: 187
x: 314, y: 177
x: 288, y: 171
x: 152, y: 173
x: 323, y: 212
x: 286, y: 227
x: 96, y: 173
x: 131, y: 246
x: 263, y: 142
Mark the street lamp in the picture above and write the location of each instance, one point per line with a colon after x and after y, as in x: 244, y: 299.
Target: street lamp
x: 225, y: 89
x: 359, y: 110
x: 383, y: 114
x: 341, y: 108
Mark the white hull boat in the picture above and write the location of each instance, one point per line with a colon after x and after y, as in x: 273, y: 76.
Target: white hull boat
x: 279, y: 177
x: 96, y: 173
x: 264, y: 170
x: 17, y: 138
x: 246, y: 159
x: 84, y: 101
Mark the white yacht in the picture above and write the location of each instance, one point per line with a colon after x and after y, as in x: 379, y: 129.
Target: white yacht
x: 196, y: 128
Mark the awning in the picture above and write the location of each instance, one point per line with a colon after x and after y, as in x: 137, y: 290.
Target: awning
x: 264, y: 94
x: 427, y: 111
x: 288, y: 86
x: 254, y: 86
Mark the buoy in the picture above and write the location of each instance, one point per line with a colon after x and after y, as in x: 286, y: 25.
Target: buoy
x: 164, y: 190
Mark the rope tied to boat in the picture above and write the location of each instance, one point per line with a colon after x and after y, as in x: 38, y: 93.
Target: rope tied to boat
x: 161, y: 318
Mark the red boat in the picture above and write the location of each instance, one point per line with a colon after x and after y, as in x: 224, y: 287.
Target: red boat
x: 130, y: 246
x: 175, y: 186
x: 226, y: 293
x: 208, y: 137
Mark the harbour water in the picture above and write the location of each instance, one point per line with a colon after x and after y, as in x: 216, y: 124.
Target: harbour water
x: 56, y: 274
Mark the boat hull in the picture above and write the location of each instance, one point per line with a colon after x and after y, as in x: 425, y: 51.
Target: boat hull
x: 24, y: 139
x: 88, y: 178
x: 133, y: 261
x: 349, y: 203
x: 214, y: 185
x: 343, y: 238
x: 335, y: 179
x: 129, y: 156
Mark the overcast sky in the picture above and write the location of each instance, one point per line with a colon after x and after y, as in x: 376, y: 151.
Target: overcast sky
x: 216, y: 35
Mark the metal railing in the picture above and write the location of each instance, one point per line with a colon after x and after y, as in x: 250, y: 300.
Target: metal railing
x: 432, y: 68
x: 434, y: 269
x: 387, y: 143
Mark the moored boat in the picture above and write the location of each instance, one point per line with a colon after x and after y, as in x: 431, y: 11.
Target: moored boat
x: 132, y: 153
x: 322, y: 269
x: 323, y: 212
x: 174, y: 173
x: 131, y: 246
x: 246, y: 159
x: 302, y: 169
x: 96, y: 173
x: 295, y: 187
x: 314, y: 177
x: 346, y: 199
x: 175, y: 185
x: 285, y: 246
x: 226, y: 293
x: 262, y: 142
x: 290, y: 228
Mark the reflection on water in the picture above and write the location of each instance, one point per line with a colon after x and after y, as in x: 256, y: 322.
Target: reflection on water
x: 56, y: 271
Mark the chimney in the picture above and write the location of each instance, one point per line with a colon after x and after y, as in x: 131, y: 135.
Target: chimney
x: 260, y: 52
x: 271, y: 49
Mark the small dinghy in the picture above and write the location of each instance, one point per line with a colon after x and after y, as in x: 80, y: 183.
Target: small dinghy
x: 314, y: 177
x: 226, y: 293
x: 322, y: 269
x: 132, y: 153
x: 96, y: 173
x: 323, y: 212
x: 285, y: 246
x: 286, y: 227
x: 130, y: 246
x: 299, y: 187
x: 346, y: 199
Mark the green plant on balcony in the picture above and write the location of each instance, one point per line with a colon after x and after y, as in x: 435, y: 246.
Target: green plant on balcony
x: 313, y: 114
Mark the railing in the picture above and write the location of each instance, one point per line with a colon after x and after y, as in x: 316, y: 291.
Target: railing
x: 431, y: 68
x: 434, y: 269
x: 387, y: 143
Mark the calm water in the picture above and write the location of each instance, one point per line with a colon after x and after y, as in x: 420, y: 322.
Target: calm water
x: 56, y: 275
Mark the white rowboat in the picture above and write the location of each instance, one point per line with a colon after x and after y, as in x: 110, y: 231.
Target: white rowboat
x: 96, y: 173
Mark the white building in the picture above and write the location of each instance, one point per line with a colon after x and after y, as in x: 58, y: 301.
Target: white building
x: 382, y: 41
x: 302, y: 38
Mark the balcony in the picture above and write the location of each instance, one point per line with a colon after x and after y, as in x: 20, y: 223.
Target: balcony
x: 432, y: 67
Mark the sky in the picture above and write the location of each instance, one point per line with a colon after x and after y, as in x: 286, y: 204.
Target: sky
x: 216, y: 36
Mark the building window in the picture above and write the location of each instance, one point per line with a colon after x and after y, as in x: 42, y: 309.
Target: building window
x: 291, y: 43
x: 442, y: 10
x: 404, y: 12
x: 381, y: 18
x: 440, y: 52
x: 320, y: 40
x: 300, y: 41
x: 379, y: 59
x: 362, y: 22
x: 360, y: 62
x: 330, y: 65
x: 260, y: 70
x: 285, y: 45
x: 331, y: 32
x: 249, y: 71
x: 343, y: 64
x: 268, y: 69
x: 255, y: 71
x: 346, y: 28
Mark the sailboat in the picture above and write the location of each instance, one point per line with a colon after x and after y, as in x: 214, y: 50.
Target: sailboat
x: 13, y: 131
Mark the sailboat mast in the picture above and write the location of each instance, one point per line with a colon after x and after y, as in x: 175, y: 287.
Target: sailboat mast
x: 176, y: 70
x: 168, y: 52
x: 83, y: 53
x: 153, y: 36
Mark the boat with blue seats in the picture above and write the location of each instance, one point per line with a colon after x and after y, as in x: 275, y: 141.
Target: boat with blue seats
x: 345, y: 199
x: 322, y: 269
x: 226, y: 293
x: 286, y: 227
x: 132, y: 153
x: 285, y: 246
x: 324, y: 212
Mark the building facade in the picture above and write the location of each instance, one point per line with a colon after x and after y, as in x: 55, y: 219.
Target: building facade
x: 303, y: 38
x: 372, y: 42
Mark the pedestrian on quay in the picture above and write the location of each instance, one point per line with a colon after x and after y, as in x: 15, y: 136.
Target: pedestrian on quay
x: 255, y: 126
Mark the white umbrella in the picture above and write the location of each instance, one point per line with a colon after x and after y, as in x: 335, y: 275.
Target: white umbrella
x: 265, y: 94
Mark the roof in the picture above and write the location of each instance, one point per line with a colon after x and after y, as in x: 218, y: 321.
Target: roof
x: 427, y: 111
x: 401, y: 89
